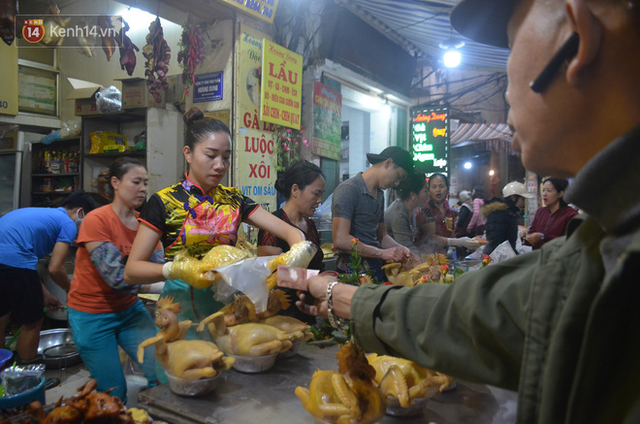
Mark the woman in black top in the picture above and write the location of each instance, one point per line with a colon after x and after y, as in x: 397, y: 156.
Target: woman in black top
x: 302, y: 185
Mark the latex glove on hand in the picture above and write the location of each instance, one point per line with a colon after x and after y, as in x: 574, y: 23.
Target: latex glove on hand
x: 300, y: 256
x: 466, y: 242
x: 190, y: 270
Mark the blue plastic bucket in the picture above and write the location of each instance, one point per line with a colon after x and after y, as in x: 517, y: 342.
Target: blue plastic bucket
x: 5, y: 356
x: 37, y: 393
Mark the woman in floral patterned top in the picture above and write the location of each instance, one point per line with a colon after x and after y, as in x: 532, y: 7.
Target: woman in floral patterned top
x: 197, y: 214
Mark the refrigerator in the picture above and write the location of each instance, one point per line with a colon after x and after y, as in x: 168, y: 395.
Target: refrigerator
x: 15, y: 170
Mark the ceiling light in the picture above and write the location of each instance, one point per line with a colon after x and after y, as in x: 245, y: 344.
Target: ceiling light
x: 452, y: 58
x: 386, y: 109
x: 467, y: 165
x: 451, y: 43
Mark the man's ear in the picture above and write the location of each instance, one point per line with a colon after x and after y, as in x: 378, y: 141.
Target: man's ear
x: 590, y: 29
x: 388, y: 163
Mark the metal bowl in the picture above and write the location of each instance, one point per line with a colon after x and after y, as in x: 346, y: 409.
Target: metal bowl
x: 253, y: 364
x: 58, y: 349
x: 183, y: 387
x: 416, y: 408
x: 451, y: 386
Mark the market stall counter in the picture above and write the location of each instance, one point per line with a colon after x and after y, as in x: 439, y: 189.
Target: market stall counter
x: 269, y: 397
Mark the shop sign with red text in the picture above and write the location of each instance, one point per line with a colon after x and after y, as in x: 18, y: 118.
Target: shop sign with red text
x: 254, y: 148
x: 281, y: 94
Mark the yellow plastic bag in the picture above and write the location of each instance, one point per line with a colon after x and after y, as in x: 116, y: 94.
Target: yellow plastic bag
x: 101, y: 139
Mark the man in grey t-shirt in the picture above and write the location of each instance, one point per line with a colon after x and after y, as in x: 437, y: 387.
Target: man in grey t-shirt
x: 358, y: 211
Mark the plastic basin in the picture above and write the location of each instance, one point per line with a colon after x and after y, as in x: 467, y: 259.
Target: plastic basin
x: 36, y: 393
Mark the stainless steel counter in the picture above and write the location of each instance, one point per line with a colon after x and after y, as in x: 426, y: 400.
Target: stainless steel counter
x: 269, y: 398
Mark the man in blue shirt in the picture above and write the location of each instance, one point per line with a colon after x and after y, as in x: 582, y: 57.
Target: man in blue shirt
x: 26, y: 235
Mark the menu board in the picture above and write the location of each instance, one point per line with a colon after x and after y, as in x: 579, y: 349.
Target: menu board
x: 430, y: 140
x: 281, y: 86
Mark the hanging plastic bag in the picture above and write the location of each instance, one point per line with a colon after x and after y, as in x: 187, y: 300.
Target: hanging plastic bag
x: 109, y: 100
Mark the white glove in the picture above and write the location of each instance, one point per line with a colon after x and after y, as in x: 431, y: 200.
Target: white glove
x: 467, y: 242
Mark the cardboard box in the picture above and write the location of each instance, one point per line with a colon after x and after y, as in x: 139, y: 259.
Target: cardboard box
x: 9, y: 77
x: 175, y: 91
x: 135, y: 94
x: 84, y: 93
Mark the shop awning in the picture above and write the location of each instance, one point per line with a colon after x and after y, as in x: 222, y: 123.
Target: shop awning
x: 425, y: 24
x: 494, y: 137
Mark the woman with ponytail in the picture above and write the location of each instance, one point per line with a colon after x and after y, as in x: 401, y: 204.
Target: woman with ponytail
x: 104, y: 311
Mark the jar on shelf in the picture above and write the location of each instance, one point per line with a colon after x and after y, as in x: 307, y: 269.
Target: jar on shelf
x: 48, y: 185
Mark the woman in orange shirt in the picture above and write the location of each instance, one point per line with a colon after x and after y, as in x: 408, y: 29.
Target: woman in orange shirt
x: 104, y: 311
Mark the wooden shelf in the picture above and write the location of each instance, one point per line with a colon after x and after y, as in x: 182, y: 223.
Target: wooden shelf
x: 64, y: 193
x: 126, y: 115
x: 138, y: 154
x: 71, y: 174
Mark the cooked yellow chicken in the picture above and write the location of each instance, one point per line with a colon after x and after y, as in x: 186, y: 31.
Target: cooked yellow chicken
x: 187, y: 359
x: 250, y: 339
x: 345, y: 397
x: 293, y: 327
x: 406, y: 380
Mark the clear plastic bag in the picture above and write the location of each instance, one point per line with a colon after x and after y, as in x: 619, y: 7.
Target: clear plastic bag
x: 109, y: 100
x: 71, y: 128
x: 503, y: 252
x: 18, y: 379
x: 247, y: 276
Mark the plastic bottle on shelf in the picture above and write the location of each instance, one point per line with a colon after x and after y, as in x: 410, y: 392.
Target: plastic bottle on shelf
x: 47, y: 162
x: 74, y: 162
x: 55, y: 165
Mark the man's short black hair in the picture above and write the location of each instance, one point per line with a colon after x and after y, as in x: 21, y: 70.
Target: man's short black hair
x: 79, y: 199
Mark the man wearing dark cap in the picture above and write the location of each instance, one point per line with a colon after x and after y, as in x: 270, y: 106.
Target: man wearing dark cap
x: 561, y: 325
x: 358, y: 211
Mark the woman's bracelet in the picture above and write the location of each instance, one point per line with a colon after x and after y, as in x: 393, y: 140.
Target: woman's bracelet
x: 335, y: 322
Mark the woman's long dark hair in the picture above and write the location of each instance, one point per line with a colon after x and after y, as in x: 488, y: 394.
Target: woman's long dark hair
x: 478, y: 192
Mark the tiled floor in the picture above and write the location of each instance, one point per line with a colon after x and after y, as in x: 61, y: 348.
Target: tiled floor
x: 70, y: 379
x: 74, y: 377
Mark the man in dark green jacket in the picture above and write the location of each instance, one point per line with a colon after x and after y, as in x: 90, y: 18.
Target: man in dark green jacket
x: 560, y: 325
